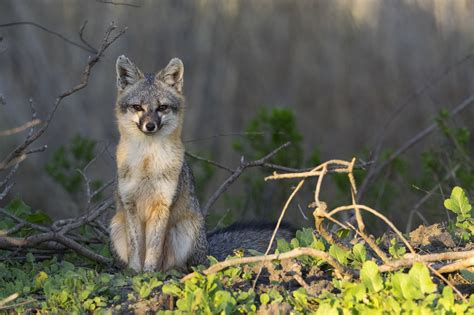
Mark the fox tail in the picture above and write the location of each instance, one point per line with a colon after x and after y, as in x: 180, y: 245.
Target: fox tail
x: 247, y: 236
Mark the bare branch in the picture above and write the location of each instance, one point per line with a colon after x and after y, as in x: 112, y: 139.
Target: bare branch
x: 410, y: 259
x: 9, y: 176
x: 26, y: 223
x: 81, y: 36
x: 36, y: 239
x: 374, y: 170
x: 56, y: 236
x: 119, y: 3
x: 340, y: 269
x: 236, y: 174
x: 463, y: 264
x: 18, y: 129
x: 199, y: 158
x: 47, y: 30
x: 5, y: 192
x: 18, y: 154
x: 425, y: 132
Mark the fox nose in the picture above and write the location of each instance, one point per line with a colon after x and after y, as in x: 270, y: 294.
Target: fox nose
x: 151, y: 126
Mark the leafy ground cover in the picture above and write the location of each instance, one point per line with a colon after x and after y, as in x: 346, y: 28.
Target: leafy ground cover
x: 303, y: 284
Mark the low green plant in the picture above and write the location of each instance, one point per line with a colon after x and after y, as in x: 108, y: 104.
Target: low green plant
x: 68, y: 160
x: 459, y: 204
x: 20, y: 209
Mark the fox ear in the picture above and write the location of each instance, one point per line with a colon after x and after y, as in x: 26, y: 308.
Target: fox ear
x: 127, y: 72
x: 172, y: 74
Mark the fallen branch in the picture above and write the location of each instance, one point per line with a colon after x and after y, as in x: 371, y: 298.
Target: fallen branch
x: 34, y: 240
x: 462, y: 264
x: 57, y: 234
x: 301, y: 251
x: 410, y: 259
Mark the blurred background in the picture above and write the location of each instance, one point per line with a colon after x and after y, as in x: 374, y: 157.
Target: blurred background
x: 327, y: 75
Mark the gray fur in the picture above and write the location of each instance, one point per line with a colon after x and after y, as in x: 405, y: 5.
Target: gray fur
x: 255, y: 236
x: 127, y: 73
x: 145, y: 93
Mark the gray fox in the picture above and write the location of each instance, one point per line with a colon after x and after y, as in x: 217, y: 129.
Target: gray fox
x: 158, y: 223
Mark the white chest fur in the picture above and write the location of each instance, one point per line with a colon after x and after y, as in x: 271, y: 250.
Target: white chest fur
x: 149, y: 169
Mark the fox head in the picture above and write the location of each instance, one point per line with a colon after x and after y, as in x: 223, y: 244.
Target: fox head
x: 150, y: 104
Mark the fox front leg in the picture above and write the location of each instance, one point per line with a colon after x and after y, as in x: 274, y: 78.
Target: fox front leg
x: 155, y: 238
x: 136, y: 241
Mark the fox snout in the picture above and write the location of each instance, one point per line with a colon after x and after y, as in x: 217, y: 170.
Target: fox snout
x: 149, y: 124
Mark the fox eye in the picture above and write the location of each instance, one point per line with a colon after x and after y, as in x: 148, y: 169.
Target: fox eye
x: 162, y: 108
x: 137, y: 107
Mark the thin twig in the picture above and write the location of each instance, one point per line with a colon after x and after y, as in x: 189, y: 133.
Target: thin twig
x: 199, y: 158
x: 47, y: 30
x: 56, y: 236
x: 18, y: 154
x: 236, y: 174
x: 119, y: 3
x: 378, y: 214
x: 81, y: 36
x: 375, y: 170
x: 452, y: 286
x: 282, y: 214
x: 18, y: 129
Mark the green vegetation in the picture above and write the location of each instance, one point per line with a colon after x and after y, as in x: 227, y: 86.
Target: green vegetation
x: 459, y: 204
x: 69, y: 161
x: 62, y: 286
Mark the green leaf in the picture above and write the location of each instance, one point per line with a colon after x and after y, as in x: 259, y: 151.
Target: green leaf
x: 420, y: 278
x: 283, y: 245
x: 145, y: 291
x: 370, y: 276
x: 359, y: 252
x: 327, y: 309
x: 468, y: 275
x: 264, y: 299
x: 339, y: 253
x: 458, y: 202
x: 171, y: 289
x: 403, y: 288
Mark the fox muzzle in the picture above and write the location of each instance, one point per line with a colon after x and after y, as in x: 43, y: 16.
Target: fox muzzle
x: 150, y: 124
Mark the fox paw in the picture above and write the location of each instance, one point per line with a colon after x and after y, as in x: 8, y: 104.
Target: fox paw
x: 149, y: 268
